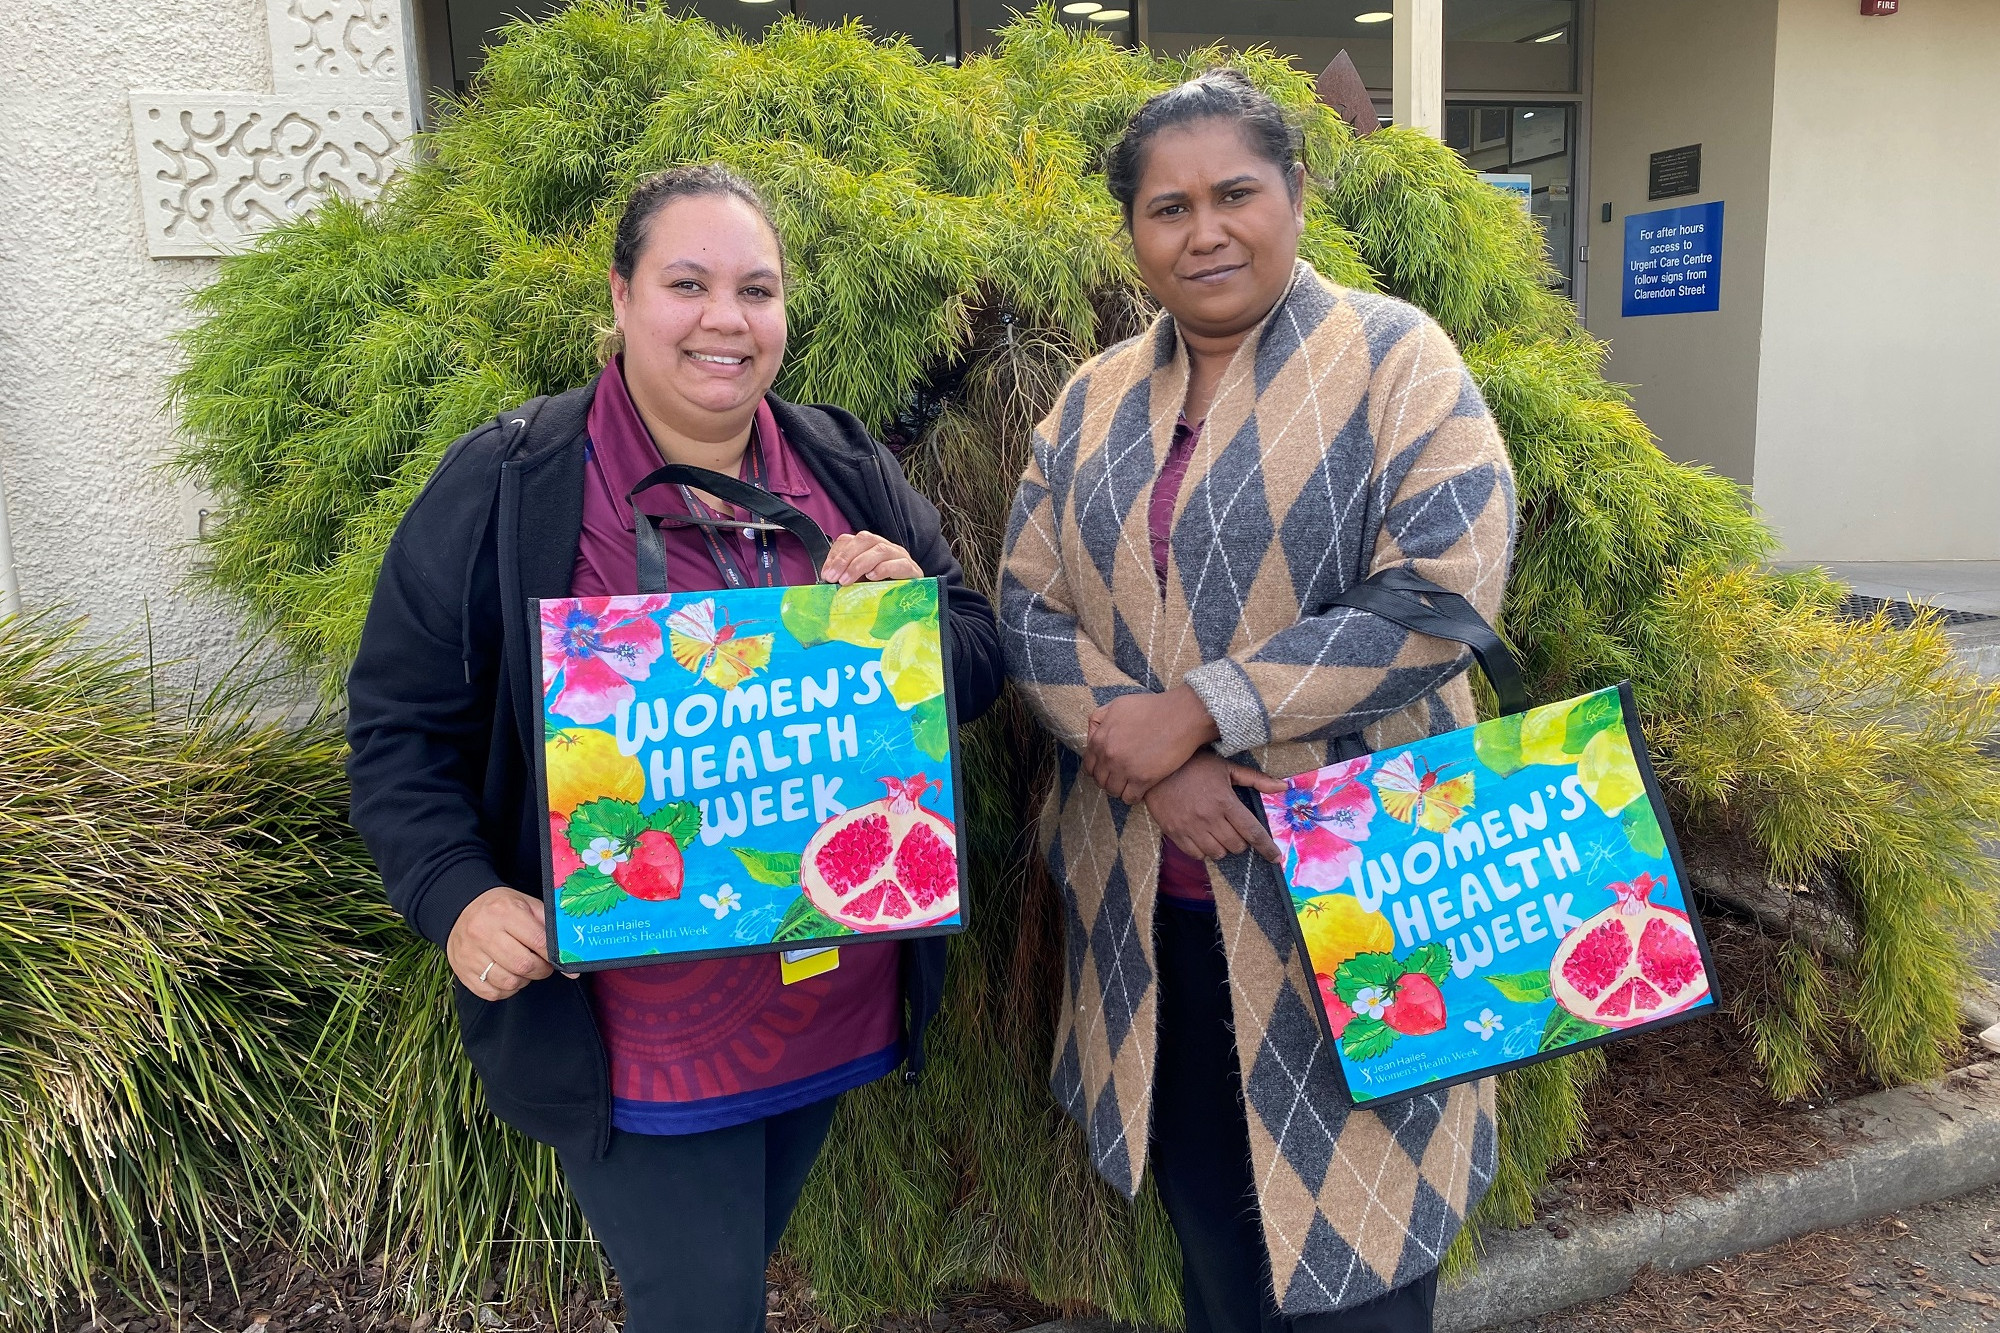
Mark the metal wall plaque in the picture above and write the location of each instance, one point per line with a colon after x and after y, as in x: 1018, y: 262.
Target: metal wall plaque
x: 1674, y: 171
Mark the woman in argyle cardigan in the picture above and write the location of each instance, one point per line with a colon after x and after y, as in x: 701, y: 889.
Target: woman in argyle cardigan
x: 1195, y: 500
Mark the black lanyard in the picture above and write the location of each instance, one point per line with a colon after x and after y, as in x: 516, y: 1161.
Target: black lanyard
x: 767, y: 540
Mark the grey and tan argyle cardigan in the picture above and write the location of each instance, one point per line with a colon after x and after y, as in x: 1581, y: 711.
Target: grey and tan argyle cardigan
x: 1345, y: 437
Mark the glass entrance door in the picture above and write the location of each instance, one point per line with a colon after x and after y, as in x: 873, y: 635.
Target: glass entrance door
x: 1532, y: 139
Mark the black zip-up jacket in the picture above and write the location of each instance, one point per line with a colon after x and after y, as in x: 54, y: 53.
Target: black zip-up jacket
x: 444, y: 707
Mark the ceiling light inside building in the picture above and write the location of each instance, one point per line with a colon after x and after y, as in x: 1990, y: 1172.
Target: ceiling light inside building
x: 1082, y: 7
x: 1555, y: 36
x: 1527, y: 115
x: 1374, y: 16
x: 1111, y: 16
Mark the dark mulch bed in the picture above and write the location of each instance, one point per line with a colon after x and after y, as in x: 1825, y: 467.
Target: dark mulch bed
x: 993, y: 1311
x: 264, y: 1290
x: 1680, y: 1112
x: 1684, y: 1112
x: 274, y: 1293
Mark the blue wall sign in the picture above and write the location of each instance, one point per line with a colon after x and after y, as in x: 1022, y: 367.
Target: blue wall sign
x: 1673, y: 260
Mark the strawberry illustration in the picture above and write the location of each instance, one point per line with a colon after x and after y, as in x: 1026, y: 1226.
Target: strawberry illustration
x: 1418, y: 1008
x: 1338, y: 1012
x: 562, y: 855
x: 654, y: 870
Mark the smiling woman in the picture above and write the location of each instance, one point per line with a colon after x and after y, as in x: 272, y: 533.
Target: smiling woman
x: 685, y: 1101
x: 704, y: 300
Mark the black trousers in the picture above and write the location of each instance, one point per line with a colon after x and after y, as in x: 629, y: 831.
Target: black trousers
x: 1201, y: 1156
x: 690, y: 1220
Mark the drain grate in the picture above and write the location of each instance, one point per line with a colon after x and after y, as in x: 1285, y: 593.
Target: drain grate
x: 1902, y: 615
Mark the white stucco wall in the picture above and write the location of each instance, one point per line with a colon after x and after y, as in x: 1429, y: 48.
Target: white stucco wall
x: 251, y: 110
x: 86, y: 316
x: 1876, y: 435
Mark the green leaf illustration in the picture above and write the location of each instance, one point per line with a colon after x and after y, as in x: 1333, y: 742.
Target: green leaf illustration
x: 1365, y: 970
x: 1592, y: 714
x: 779, y: 868
x: 606, y: 817
x: 904, y: 604
x: 587, y: 893
x: 1433, y: 960
x: 930, y: 727
x: 804, y: 611
x: 680, y: 821
x: 803, y: 921
x: 1566, y: 1029
x: 1498, y: 744
x: 1366, y: 1038
x: 1523, y: 987
x: 1642, y: 829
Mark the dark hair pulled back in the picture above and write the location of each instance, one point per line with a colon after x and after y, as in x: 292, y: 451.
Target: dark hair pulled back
x: 1223, y: 93
x: 664, y: 187
x: 655, y: 193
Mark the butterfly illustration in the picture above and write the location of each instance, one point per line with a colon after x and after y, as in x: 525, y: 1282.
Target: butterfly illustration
x: 1428, y: 800
x: 711, y: 648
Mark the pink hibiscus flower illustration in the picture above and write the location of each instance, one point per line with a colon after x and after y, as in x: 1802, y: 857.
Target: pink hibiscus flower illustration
x: 1320, y: 816
x: 592, y: 651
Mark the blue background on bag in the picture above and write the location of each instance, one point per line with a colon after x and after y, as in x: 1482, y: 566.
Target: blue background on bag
x: 882, y: 746
x: 1571, y: 821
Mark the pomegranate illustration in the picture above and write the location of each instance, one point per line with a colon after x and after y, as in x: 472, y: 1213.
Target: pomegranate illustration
x: 1631, y: 963
x: 1417, y: 1010
x: 886, y: 865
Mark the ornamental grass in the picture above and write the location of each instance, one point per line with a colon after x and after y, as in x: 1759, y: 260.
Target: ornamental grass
x: 952, y: 245
x: 182, y: 914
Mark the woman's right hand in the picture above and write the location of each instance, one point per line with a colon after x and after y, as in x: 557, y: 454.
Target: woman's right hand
x: 1196, y: 807
x: 497, y: 946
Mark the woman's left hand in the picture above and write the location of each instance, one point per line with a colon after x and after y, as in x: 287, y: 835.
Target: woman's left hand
x: 863, y: 555
x: 1138, y: 739
x: 1196, y: 808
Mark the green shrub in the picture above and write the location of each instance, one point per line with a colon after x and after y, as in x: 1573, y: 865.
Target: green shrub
x: 181, y: 910
x: 940, y: 218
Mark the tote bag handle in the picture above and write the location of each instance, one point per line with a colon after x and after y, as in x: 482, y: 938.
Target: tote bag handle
x: 1405, y: 598
x: 774, y: 512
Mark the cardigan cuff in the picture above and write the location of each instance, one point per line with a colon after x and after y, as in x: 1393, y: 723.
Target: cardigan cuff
x: 450, y: 893
x: 1238, y: 710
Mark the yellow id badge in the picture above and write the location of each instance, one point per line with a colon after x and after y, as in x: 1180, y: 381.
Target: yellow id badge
x: 798, y: 964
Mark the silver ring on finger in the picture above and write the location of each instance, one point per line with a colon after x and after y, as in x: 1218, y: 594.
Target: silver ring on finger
x: 485, y: 974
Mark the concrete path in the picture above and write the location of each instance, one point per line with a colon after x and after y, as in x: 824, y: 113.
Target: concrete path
x: 1954, y: 585
x: 1934, y: 1269
x: 1951, y: 585
x: 1913, y: 1146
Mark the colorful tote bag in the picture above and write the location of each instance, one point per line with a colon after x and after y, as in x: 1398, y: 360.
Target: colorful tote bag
x: 747, y: 770
x: 1493, y: 896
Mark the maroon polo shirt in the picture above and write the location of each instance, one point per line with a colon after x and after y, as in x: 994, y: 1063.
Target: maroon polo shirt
x: 1183, y: 878
x: 704, y: 1045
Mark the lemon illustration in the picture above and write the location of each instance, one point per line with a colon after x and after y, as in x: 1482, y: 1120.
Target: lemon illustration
x: 1542, y: 733
x: 912, y: 667
x: 1609, y: 772
x: 584, y: 764
x: 1337, y: 928
x: 851, y: 619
